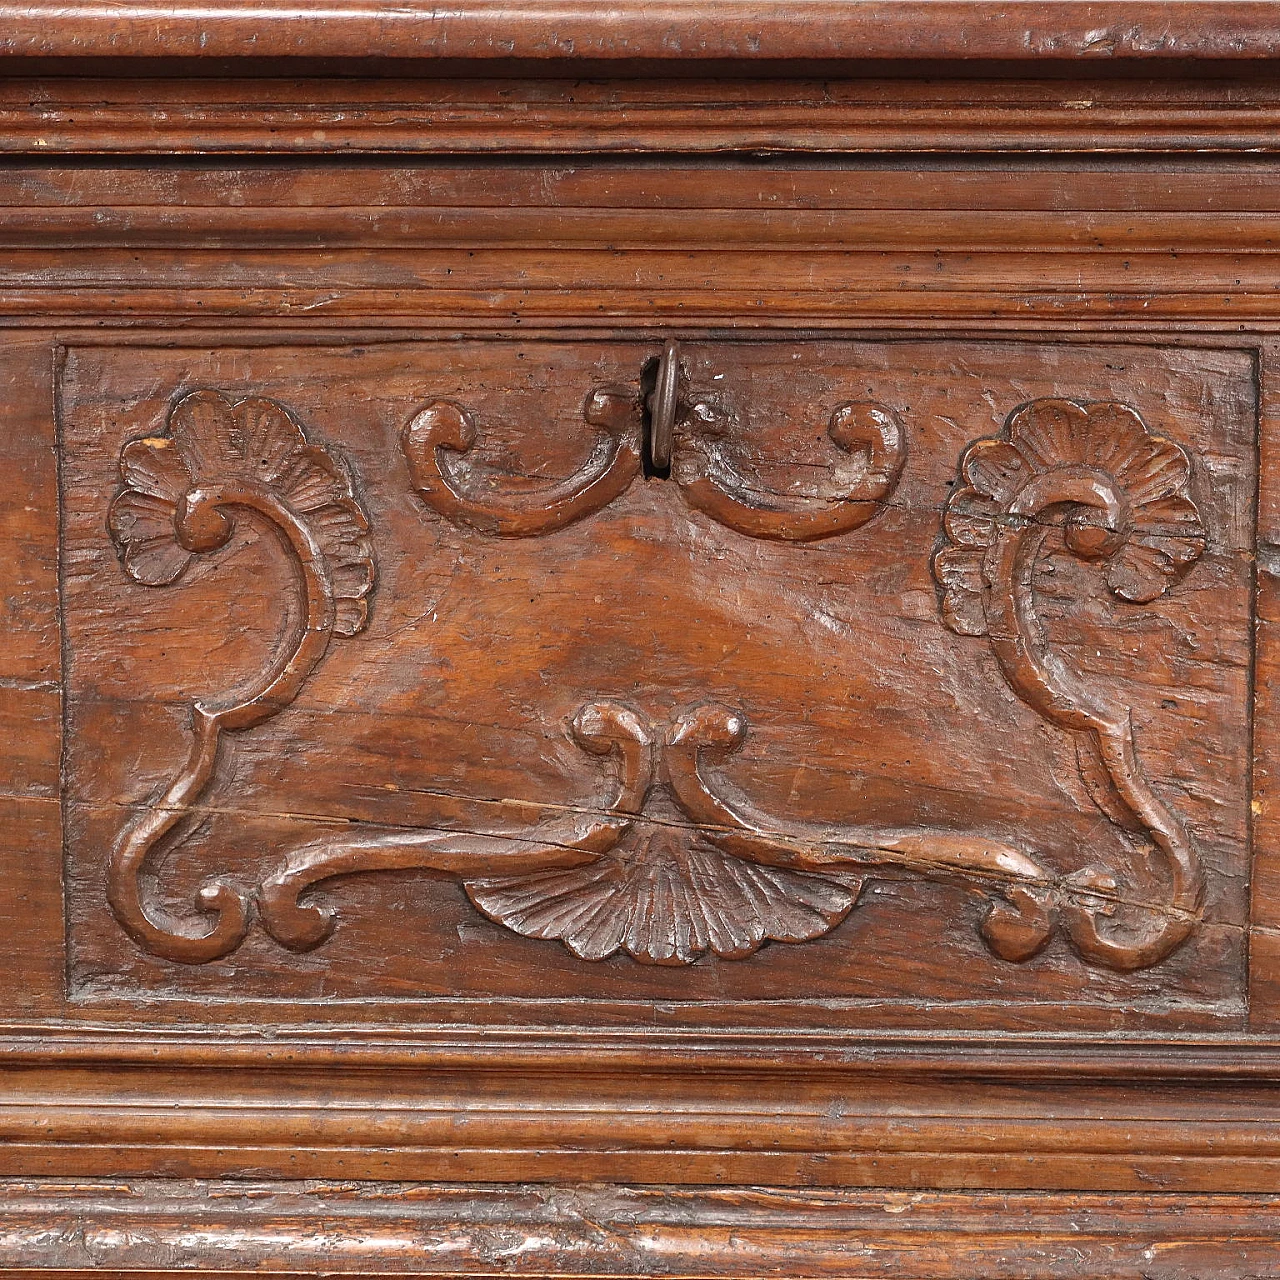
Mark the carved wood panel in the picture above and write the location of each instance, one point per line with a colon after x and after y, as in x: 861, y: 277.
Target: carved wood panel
x: 916, y: 686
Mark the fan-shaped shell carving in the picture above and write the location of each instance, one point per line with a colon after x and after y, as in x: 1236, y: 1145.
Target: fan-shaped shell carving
x: 213, y: 443
x: 1158, y: 531
x: 181, y: 496
x: 667, y: 900
x: 1091, y: 476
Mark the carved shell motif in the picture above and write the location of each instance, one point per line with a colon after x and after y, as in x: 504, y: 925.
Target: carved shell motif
x: 1159, y: 532
x: 667, y: 900
x: 182, y: 495
x: 216, y: 446
x: 1089, y: 476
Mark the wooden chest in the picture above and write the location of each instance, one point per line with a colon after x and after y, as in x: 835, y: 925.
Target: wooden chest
x: 639, y: 641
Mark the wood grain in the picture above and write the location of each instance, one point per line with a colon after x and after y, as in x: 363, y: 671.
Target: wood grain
x: 605, y: 246
x: 671, y: 600
x: 171, y: 1227
x: 478, y: 114
x: 741, y: 30
x: 810, y: 1109
x: 32, y: 949
x: 557, y: 655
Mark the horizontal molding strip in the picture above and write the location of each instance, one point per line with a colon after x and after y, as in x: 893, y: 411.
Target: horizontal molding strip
x: 1232, y: 310
x: 661, y: 1116
x: 818, y: 231
x: 993, y: 1056
x: 670, y: 31
x: 1086, y: 187
x: 165, y: 1227
x: 838, y: 113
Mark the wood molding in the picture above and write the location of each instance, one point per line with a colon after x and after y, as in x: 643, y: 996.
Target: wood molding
x: 163, y: 1228
x: 857, y: 244
x: 1180, y: 1115
x: 238, y: 213
x: 675, y: 31
x: 840, y: 114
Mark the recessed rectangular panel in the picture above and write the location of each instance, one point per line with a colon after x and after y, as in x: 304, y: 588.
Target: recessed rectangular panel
x: 915, y: 690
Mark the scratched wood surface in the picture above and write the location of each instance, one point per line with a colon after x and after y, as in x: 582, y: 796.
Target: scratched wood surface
x: 659, y: 598
x: 158, y: 1227
x: 1182, y: 243
x: 451, y: 707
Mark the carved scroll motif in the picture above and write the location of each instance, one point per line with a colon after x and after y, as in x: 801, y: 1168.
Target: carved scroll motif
x: 1090, y: 477
x: 182, y: 494
x: 868, y: 454
x: 868, y: 446
x: 670, y: 861
x: 604, y: 729
x: 665, y: 886
x: 438, y: 441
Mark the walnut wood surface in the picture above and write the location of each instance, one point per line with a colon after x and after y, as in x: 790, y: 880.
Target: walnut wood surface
x: 423, y: 774
x: 167, y: 1228
x: 839, y: 114
x: 740, y: 30
x: 571, y: 637
x: 954, y: 247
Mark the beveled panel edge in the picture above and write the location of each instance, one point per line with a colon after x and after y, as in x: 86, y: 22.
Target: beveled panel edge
x: 1264, y: 835
x: 189, y: 1228
x: 930, y: 1053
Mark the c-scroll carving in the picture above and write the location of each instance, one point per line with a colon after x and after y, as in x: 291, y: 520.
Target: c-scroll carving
x: 869, y: 454
x: 605, y: 879
x: 1092, y: 477
x: 630, y: 875
x: 604, y: 729
x: 1015, y: 924
x: 182, y: 493
x: 693, y: 439
x: 438, y: 441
